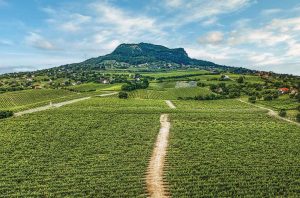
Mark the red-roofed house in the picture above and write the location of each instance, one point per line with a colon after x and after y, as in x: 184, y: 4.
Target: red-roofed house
x: 284, y: 90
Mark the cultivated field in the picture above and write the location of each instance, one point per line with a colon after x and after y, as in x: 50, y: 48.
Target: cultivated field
x: 99, y: 147
x: 229, y: 149
x: 31, y: 98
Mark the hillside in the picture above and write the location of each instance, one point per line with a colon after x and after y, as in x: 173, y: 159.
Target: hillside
x: 150, y: 57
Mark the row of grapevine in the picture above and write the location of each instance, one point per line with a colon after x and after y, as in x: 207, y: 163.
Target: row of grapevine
x: 229, y: 149
x: 22, y: 99
x: 173, y: 93
x: 94, y: 148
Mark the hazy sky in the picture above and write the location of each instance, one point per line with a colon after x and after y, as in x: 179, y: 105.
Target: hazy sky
x: 258, y: 34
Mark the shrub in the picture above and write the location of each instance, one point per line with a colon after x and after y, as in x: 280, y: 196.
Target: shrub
x: 282, y: 113
x: 268, y: 98
x: 298, y: 117
x: 6, y: 114
x: 252, y: 99
x: 240, y: 79
x: 123, y: 95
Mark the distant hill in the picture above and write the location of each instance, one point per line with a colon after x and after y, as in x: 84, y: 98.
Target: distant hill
x: 148, y: 56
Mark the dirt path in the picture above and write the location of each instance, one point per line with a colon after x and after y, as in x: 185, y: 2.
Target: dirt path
x: 170, y: 104
x: 154, y: 180
x: 271, y: 112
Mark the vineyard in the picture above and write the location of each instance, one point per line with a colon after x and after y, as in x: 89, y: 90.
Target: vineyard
x: 90, y: 149
x: 173, y: 93
x: 223, y: 150
x: 30, y: 98
x: 89, y: 87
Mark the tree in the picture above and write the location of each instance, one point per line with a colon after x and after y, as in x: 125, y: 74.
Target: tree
x: 298, y: 117
x: 268, y: 97
x: 282, y: 113
x: 6, y: 114
x: 123, y: 95
x: 252, y: 99
x: 240, y: 79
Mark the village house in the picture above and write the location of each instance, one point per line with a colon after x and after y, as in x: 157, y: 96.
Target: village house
x: 284, y: 90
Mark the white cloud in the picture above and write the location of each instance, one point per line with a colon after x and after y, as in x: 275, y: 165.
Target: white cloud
x: 268, y: 12
x: 212, y: 38
x: 210, y: 21
x: 199, y: 10
x: 123, y: 21
x: 6, y: 42
x: 37, y: 41
x: 75, y: 22
x: 174, y: 3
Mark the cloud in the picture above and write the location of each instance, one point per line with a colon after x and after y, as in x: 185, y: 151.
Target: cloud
x: 74, y: 24
x: 199, y: 10
x: 125, y: 22
x: 268, y: 12
x: 6, y: 42
x: 39, y: 42
x: 211, y: 38
x: 174, y: 3
x: 210, y: 21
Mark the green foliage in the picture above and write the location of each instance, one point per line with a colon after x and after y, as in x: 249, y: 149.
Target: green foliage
x: 123, y: 95
x: 252, y: 99
x: 130, y: 86
x: 240, y: 79
x: 29, y: 98
x: 282, y: 113
x: 225, y: 148
x: 96, y: 148
x: 268, y: 97
x: 5, y: 114
x: 298, y: 117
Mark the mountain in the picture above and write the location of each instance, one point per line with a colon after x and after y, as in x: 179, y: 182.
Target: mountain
x: 148, y: 56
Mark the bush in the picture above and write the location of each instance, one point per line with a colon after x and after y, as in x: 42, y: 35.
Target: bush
x: 298, y: 117
x: 6, y: 114
x: 123, y: 95
x: 240, y: 79
x: 268, y: 98
x: 282, y: 113
x: 252, y: 99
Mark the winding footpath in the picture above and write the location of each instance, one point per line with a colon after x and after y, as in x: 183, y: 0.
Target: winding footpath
x: 271, y: 112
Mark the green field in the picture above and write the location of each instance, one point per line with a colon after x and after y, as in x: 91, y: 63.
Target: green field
x: 175, y: 73
x: 283, y: 102
x: 173, y: 93
x: 89, y: 87
x: 229, y: 149
x: 95, y: 148
x: 31, y: 98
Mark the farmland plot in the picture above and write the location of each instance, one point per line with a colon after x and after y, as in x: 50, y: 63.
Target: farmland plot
x: 92, y: 148
x: 218, y: 152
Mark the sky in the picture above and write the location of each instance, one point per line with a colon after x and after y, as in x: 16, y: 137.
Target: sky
x: 256, y: 34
